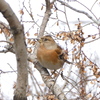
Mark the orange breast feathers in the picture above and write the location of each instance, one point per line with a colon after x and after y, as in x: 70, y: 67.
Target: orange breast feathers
x: 48, y: 53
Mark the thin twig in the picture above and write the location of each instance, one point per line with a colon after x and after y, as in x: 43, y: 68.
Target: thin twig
x: 92, y: 40
x: 45, y: 18
x: 30, y: 13
x: 12, y: 68
x: 34, y: 79
x: 7, y: 42
x: 79, y: 11
x: 88, y: 9
x: 4, y: 72
x: 93, y: 4
x: 66, y: 18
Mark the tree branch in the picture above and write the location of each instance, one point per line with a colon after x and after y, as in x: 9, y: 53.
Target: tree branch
x: 20, y: 50
x: 45, y: 18
x: 79, y: 11
x: 50, y: 82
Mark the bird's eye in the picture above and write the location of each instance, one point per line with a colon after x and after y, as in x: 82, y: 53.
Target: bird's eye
x: 45, y: 39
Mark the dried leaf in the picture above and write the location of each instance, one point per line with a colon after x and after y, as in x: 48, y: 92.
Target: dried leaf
x: 42, y: 8
x: 82, y: 44
x: 89, y: 35
x: 0, y: 31
x: 91, y: 82
x: 65, y: 38
x: 93, y: 37
x: 50, y: 97
x: 29, y: 41
x: 89, y: 96
x: 66, y: 57
x: 11, y: 39
x: 64, y: 33
x: 32, y: 42
x: 59, y: 35
x: 28, y: 94
x: 27, y: 33
x: 91, y: 63
x: 57, y: 23
x: 84, y: 58
x: 72, y: 41
x: 6, y: 31
x: 21, y: 12
x: 14, y: 86
x: 42, y: 84
x: 36, y: 34
x: 29, y: 50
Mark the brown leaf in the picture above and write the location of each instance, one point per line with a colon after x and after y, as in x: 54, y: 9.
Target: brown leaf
x: 11, y: 39
x: 32, y: 42
x: 42, y: 8
x: 27, y: 33
x: 6, y: 31
x: 14, y: 85
x: 64, y: 33
x: 42, y: 84
x: 65, y: 38
x: 57, y: 23
x: 0, y: 31
x: 84, y: 58
x: 82, y: 44
x: 36, y: 34
x: 50, y: 97
x: 28, y: 94
x: 29, y: 50
x: 21, y: 12
x: 89, y: 96
x: 93, y: 37
x: 72, y: 41
x: 89, y: 35
x: 91, y: 63
x: 29, y: 41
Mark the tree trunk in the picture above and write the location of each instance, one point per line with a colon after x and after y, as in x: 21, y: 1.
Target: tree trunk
x: 22, y: 76
x: 20, y: 50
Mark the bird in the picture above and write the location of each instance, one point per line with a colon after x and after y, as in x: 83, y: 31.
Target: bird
x: 49, y: 54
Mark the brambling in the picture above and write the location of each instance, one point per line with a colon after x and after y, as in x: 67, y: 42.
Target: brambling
x: 49, y: 54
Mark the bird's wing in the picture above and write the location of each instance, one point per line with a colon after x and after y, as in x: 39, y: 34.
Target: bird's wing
x: 63, y: 54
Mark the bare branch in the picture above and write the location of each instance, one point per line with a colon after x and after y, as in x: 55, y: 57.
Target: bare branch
x: 92, y: 40
x: 43, y: 71
x: 79, y: 11
x: 20, y: 50
x: 45, y: 18
x: 4, y: 72
x: 67, y: 19
x: 93, y: 4
x: 50, y: 82
x: 2, y: 25
x: 42, y: 29
x: 30, y: 14
x: 7, y: 42
x: 88, y: 9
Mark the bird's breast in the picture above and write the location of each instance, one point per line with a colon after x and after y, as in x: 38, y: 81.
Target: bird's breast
x: 49, y: 59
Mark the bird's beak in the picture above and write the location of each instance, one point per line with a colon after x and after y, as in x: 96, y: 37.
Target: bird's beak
x: 39, y: 40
